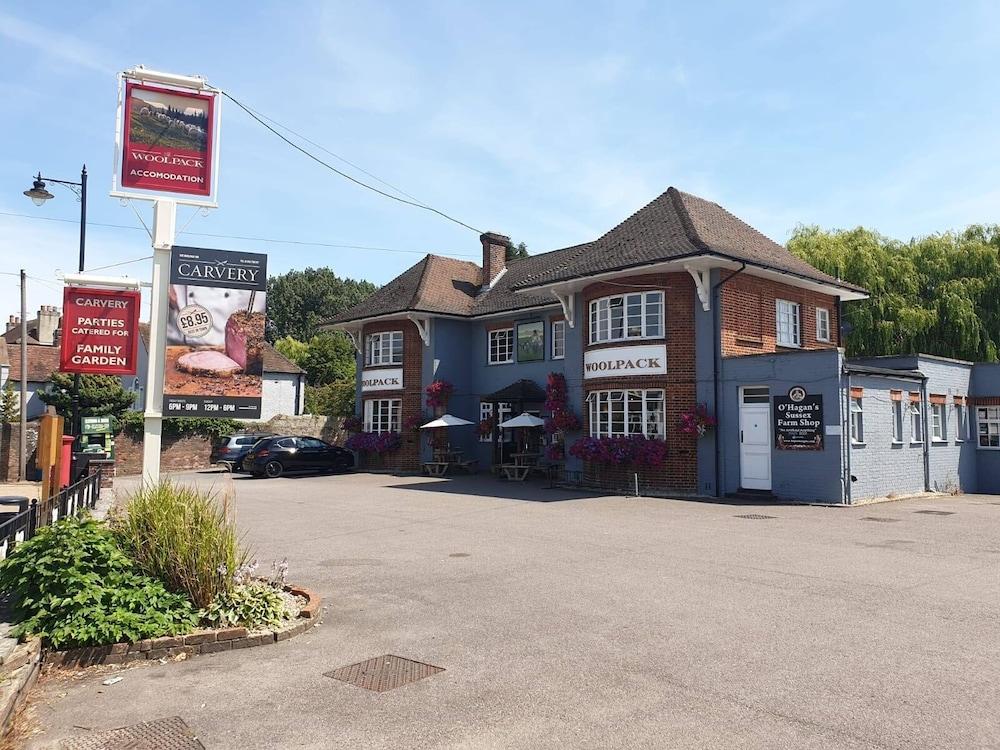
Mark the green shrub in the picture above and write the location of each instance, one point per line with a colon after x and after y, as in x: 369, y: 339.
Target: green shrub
x: 182, y: 536
x: 73, y: 586
x: 254, y: 605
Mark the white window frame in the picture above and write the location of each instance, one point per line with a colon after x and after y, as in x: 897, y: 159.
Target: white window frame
x: 939, y: 423
x: 857, y: 422
x: 637, y: 409
x: 602, y: 316
x: 916, y: 423
x: 381, y: 348
x: 504, y: 410
x: 494, y: 351
x: 788, y: 323
x: 823, y: 325
x: 558, y: 339
x: 897, y: 422
x: 382, y: 413
x: 988, y: 417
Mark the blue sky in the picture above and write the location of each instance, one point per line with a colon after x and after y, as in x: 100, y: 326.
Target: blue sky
x: 550, y: 122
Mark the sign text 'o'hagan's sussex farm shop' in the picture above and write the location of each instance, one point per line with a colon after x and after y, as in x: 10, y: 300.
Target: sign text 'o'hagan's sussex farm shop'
x: 798, y: 420
x: 215, y: 333
x: 100, y: 331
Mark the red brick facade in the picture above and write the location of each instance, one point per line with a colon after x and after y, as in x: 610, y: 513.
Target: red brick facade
x: 407, y: 458
x: 680, y: 470
x: 748, y: 316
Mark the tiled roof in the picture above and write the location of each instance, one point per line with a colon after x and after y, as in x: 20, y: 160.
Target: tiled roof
x: 673, y: 226
x: 42, y: 362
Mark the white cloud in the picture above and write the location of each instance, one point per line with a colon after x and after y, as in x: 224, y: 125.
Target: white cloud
x: 53, y: 45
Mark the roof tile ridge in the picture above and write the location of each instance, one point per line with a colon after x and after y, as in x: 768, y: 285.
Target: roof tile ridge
x: 418, y: 293
x: 685, y: 217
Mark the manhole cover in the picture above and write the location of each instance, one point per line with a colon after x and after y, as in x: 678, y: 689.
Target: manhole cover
x: 384, y: 673
x: 755, y: 516
x: 459, y: 554
x: 936, y: 512
x: 162, y: 734
x: 879, y: 520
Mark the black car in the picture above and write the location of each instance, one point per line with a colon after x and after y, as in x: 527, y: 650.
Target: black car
x: 229, y: 451
x: 276, y: 455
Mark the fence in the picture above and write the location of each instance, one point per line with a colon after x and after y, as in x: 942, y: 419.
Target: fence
x: 21, y: 527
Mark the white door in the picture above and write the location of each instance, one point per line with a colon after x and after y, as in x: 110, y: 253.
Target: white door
x: 755, y: 438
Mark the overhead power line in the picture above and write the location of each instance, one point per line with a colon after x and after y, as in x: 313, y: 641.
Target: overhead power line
x: 356, y: 181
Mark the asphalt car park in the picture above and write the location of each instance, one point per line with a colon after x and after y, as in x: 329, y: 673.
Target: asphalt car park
x: 563, y: 619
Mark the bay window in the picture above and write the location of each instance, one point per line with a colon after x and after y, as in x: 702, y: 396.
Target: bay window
x: 626, y: 316
x: 382, y: 414
x: 385, y: 348
x: 631, y: 412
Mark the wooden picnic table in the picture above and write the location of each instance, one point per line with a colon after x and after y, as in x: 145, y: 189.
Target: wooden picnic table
x: 437, y: 468
x: 527, y: 458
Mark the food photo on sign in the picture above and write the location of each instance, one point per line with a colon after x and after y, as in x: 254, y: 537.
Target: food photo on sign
x: 215, y: 333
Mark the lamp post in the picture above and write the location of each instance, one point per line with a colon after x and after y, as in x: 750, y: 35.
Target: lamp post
x: 39, y: 194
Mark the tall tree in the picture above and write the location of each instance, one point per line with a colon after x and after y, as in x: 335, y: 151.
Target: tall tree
x: 10, y: 405
x: 298, y: 301
x: 938, y: 294
x: 520, y: 250
x: 100, y: 395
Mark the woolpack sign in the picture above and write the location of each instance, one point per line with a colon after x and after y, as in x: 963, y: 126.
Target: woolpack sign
x: 388, y: 379
x: 625, y: 361
x: 100, y: 331
x: 798, y: 420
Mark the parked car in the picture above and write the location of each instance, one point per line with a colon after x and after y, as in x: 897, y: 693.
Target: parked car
x: 279, y: 454
x: 229, y: 451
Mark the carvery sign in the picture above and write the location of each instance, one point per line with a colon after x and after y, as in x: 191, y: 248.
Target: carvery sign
x: 100, y: 331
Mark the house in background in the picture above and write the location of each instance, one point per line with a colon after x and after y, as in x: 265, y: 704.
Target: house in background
x: 42, y: 362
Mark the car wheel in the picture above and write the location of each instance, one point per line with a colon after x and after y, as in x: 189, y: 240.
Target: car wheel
x: 238, y: 466
x: 273, y: 469
x: 226, y: 466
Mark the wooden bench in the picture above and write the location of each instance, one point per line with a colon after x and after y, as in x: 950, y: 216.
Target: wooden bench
x: 515, y: 472
x: 436, y: 468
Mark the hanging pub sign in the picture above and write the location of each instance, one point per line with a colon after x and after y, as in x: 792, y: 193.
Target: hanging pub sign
x: 798, y: 420
x: 215, y: 333
x: 100, y: 331
x: 167, y: 143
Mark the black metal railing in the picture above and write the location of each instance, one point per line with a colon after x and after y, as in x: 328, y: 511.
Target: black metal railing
x: 72, y: 500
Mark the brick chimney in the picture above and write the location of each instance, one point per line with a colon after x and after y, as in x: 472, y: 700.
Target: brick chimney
x: 13, y: 322
x: 494, y: 256
x: 48, y: 322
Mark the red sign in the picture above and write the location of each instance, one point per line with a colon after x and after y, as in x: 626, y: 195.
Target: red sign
x: 167, y: 140
x: 100, y: 331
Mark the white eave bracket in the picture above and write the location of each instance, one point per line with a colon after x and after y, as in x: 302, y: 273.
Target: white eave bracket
x: 423, y: 328
x: 703, y: 284
x: 355, y: 337
x: 566, y: 300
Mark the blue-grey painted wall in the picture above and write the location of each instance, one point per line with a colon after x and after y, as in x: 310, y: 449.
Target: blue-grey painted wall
x: 796, y: 475
x: 705, y: 362
x: 986, y: 384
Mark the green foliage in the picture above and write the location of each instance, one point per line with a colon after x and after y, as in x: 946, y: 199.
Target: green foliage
x: 131, y: 423
x: 938, y: 294
x: 255, y: 605
x: 100, y: 395
x: 332, y: 399
x: 292, y: 348
x: 520, y: 250
x: 10, y: 405
x: 183, y: 536
x: 73, y: 586
x: 330, y: 359
x: 298, y: 301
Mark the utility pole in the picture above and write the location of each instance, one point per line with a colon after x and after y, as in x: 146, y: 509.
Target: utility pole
x: 22, y: 448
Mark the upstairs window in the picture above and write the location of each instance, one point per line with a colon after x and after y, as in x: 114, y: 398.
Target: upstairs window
x: 988, y: 418
x: 559, y: 339
x: 626, y: 316
x: 822, y: 324
x: 384, y: 348
x: 501, y: 346
x: 787, y: 323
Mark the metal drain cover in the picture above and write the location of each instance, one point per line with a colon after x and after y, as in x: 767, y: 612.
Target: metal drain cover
x: 162, y: 734
x: 936, y: 512
x: 383, y: 673
x: 879, y: 520
x: 755, y: 516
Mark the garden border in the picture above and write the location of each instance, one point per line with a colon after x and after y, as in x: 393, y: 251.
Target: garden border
x: 197, y: 642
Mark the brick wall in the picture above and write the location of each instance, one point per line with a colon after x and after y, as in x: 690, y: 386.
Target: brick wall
x: 10, y: 438
x: 680, y: 470
x: 407, y: 458
x: 748, y: 315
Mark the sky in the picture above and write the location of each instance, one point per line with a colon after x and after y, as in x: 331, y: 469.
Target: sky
x: 550, y: 122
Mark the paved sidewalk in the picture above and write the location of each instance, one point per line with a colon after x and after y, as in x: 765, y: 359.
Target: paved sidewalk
x: 594, y: 622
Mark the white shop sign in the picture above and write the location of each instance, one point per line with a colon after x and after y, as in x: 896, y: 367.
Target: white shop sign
x: 624, y: 361
x: 382, y: 380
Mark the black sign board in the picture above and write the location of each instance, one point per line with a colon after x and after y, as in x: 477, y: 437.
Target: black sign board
x: 798, y: 421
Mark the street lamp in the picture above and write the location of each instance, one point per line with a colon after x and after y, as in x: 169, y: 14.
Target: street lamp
x: 39, y: 195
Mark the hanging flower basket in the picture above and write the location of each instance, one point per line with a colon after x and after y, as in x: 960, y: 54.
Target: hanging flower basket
x: 376, y: 443
x: 635, y: 450
x: 697, y: 420
x: 438, y: 393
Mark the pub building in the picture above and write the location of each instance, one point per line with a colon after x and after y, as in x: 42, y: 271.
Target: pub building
x: 684, y: 326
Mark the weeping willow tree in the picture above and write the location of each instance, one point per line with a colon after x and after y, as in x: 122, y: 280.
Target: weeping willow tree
x: 938, y: 294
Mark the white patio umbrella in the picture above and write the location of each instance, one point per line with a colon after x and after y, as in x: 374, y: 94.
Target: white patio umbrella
x: 445, y: 420
x: 523, y: 420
